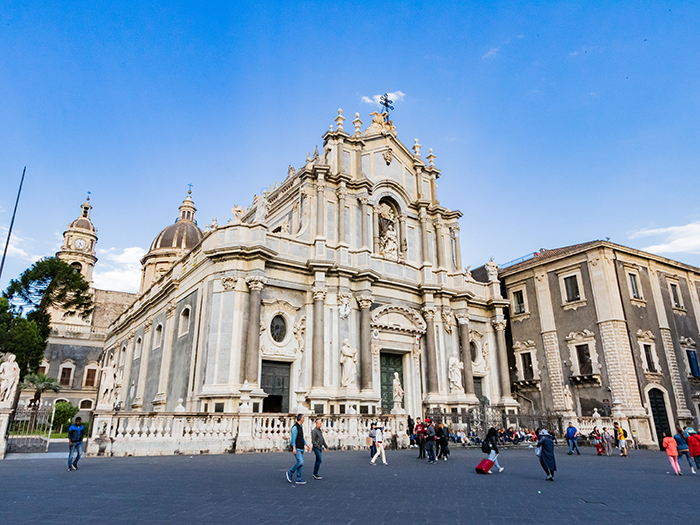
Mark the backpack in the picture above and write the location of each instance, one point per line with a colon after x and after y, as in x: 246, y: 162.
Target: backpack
x: 486, y: 446
x: 624, y: 433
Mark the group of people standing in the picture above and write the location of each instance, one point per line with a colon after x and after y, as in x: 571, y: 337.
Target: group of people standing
x: 433, y: 440
x: 686, y: 442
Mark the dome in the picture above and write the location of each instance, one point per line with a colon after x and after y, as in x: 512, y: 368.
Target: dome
x: 183, y: 235
x: 83, y: 224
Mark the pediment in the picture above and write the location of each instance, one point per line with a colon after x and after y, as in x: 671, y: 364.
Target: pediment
x: 398, y: 318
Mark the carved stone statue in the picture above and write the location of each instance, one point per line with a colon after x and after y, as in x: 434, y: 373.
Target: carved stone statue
x: 348, y: 360
x: 9, y: 378
x: 261, y: 208
x: 398, y: 392
x: 109, y: 375
x: 455, y: 373
x: 568, y: 399
x: 389, y: 244
x: 492, y: 270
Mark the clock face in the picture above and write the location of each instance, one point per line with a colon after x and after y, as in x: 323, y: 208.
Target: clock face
x: 80, y: 244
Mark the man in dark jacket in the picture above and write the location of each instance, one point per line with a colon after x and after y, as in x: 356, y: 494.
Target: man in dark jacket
x: 319, y: 443
x: 430, y: 441
x: 420, y: 437
x: 75, y: 442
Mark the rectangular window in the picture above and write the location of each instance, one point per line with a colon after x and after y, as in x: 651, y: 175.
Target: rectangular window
x: 90, y: 377
x: 634, y: 287
x: 518, y: 302
x: 693, y: 360
x: 478, y: 389
x: 585, y: 367
x: 571, y: 286
x: 65, y: 376
x: 650, y: 358
x: 674, y: 296
x: 218, y: 407
x: 527, y: 365
x: 42, y: 370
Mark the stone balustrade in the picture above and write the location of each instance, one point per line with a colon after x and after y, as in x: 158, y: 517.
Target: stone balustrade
x: 155, y: 434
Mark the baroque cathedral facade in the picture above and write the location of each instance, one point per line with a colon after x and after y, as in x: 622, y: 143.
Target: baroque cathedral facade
x: 330, y: 288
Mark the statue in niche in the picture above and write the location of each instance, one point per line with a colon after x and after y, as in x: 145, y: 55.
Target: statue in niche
x: 348, y: 361
x: 455, y: 373
x: 388, y: 239
x: 261, y: 207
x: 568, y: 399
x: 109, y: 375
x: 9, y: 378
x: 398, y: 392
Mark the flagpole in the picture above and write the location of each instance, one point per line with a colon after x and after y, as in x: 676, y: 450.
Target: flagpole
x: 12, y: 222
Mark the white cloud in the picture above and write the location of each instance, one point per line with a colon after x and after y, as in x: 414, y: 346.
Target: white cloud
x: 573, y: 53
x: 674, y: 239
x: 492, y: 53
x: 20, y: 247
x: 119, y: 270
x: 395, y: 96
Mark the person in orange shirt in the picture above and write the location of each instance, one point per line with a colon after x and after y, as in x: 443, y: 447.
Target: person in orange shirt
x: 672, y: 452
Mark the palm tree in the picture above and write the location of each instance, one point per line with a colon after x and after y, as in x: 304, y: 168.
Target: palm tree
x: 41, y: 383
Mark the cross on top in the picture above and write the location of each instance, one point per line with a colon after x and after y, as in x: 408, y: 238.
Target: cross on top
x: 386, y: 104
x: 190, y: 186
x: 89, y: 193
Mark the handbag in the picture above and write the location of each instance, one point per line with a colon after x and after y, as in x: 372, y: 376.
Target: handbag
x: 369, y: 441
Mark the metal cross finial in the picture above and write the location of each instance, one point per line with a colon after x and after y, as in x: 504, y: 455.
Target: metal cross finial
x: 89, y: 193
x: 190, y: 191
x: 386, y: 103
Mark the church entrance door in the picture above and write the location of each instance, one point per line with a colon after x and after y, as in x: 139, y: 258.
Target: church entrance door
x: 389, y: 363
x: 658, y: 410
x: 274, y: 381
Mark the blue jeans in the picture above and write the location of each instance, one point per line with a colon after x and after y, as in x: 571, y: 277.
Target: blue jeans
x: 685, y: 453
x: 76, y: 449
x: 298, y: 465
x: 430, y: 449
x: 373, y: 449
x: 573, y: 444
x: 319, y: 460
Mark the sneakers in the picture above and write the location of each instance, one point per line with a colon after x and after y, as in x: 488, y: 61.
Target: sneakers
x: 300, y: 482
x: 386, y: 463
x: 289, y: 478
x: 571, y: 454
x: 373, y: 463
x: 501, y: 469
x: 693, y: 470
x: 317, y: 477
x: 75, y: 467
x: 70, y: 469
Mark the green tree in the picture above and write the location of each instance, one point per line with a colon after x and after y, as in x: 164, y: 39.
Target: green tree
x: 50, y: 283
x: 40, y: 383
x: 65, y: 412
x: 21, y: 337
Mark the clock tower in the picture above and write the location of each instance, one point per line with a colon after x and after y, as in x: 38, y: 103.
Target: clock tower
x: 79, y: 241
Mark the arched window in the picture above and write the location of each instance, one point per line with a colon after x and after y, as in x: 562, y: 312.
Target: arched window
x: 90, y: 377
x: 77, y: 266
x: 44, y: 368
x: 65, y: 373
x: 184, y: 326
x: 122, y: 355
x: 158, y: 336
x: 137, y: 348
x: 86, y: 404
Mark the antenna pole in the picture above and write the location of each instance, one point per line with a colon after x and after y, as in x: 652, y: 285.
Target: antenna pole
x: 12, y: 222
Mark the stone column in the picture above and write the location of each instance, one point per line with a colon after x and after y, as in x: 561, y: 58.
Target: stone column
x: 433, y: 188
x: 126, y: 371
x: 466, y: 356
x: 440, y: 243
x: 365, y: 302
x: 375, y: 229
x: 363, y: 211
x: 317, y: 341
x: 431, y: 358
x: 341, y: 213
x: 458, y: 250
x: 502, y: 354
x: 252, y: 352
x: 320, y: 207
x: 402, y: 233
x: 424, y: 236
x: 160, y: 399
x: 137, y: 402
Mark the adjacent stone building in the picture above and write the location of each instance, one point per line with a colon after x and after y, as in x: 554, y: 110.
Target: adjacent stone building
x: 599, y: 326
x: 335, y: 280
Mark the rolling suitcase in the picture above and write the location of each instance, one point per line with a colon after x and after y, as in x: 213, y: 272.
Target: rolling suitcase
x: 484, y: 466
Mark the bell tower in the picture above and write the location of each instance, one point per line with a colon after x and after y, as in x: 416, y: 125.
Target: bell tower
x: 79, y: 241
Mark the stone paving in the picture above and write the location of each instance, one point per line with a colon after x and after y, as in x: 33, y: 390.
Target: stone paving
x: 253, y: 489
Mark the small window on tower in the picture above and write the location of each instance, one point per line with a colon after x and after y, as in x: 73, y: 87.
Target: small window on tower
x: 86, y: 210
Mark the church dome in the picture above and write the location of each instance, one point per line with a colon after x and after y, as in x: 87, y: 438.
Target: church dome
x: 83, y: 224
x: 184, y: 234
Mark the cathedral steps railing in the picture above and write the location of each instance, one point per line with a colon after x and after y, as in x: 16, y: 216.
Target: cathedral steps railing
x: 161, y: 433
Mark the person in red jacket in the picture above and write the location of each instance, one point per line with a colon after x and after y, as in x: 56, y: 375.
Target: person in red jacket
x: 421, y: 431
x: 694, y: 445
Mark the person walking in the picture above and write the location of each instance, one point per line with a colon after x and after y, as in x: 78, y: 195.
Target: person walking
x: 621, y: 434
x: 373, y: 437
x: 298, y: 446
x: 598, y: 441
x: 671, y: 447
x: 683, y: 448
x: 76, y: 433
x: 379, y: 433
x: 411, y: 426
x: 572, y: 437
x: 430, y: 441
x: 694, y: 446
x: 444, y: 437
x: 491, y: 444
x: 318, y: 443
x: 420, y: 437
x: 608, y: 441
x: 545, y: 451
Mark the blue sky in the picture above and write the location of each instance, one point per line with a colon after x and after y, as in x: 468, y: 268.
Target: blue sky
x: 553, y: 123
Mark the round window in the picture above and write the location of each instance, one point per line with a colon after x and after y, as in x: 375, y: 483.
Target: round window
x: 278, y: 328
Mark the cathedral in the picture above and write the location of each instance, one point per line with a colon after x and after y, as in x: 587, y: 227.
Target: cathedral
x: 339, y: 291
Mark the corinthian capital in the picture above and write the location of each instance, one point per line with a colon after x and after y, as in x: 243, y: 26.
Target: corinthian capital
x: 428, y: 312
x: 342, y: 193
x: 499, y: 324
x: 365, y: 301
x: 319, y: 293
x: 462, y: 317
x: 256, y: 282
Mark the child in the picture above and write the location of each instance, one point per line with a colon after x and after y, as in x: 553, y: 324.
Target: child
x: 672, y: 452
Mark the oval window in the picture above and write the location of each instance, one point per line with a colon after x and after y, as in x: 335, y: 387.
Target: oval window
x: 473, y: 351
x: 278, y: 328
